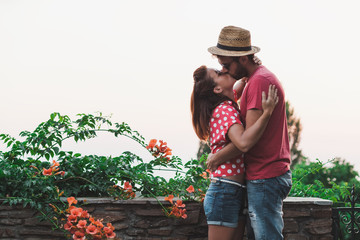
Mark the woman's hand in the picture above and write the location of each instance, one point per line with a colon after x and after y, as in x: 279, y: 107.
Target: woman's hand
x: 269, y: 103
x: 211, y: 163
x: 257, y: 60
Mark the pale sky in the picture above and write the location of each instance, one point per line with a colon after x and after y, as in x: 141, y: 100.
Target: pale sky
x: 134, y: 60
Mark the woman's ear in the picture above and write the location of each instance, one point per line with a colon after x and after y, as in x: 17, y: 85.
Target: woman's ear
x: 218, y: 90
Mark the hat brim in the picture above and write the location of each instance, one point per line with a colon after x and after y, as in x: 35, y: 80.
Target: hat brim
x: 221, y: 52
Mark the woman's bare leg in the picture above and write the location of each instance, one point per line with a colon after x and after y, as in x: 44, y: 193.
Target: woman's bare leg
x: 221, y: 233
x: 239, y: 231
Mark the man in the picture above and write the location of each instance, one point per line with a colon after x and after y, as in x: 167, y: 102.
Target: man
x: 267, y: 164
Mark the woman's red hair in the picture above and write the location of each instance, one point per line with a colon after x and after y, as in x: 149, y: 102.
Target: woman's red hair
x: 203, y: 101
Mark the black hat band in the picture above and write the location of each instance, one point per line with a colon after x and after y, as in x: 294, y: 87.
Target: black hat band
x: 233, y: 48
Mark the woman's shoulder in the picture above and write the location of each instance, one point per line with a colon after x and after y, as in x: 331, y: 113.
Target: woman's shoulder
x: 223, y: 108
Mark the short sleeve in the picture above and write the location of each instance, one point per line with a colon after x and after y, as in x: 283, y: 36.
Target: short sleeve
x: 225, y: 115
x: 254, y: 92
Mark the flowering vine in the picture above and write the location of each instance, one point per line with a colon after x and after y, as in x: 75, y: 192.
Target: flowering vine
x: 33, y: 182
x: 81, y: 225
x: 160, y: 150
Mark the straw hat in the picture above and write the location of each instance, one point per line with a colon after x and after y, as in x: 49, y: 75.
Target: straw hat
x: 234, y: 42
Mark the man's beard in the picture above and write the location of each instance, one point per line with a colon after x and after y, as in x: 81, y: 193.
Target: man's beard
x: 240, y: 73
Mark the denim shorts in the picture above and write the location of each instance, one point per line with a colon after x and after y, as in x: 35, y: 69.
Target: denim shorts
x: 224, y: 203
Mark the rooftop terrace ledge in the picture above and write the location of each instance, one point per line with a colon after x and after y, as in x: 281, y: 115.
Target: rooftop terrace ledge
x: 142, y: 200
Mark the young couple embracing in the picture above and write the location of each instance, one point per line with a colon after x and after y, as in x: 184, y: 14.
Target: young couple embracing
x: 240, y: 110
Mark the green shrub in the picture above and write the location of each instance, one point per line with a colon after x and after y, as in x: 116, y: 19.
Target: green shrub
x: 23, y: 181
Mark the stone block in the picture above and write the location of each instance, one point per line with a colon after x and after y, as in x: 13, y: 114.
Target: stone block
x: 89, y: 208
x: 41, y: 232
x: 142, y: 224
x: 109, y: 216
x: 42, y: 238
x: 319, y: 226
x: 193, y: 206
x: 176, y: 238
x: 150, y: 212
x: 120, y: 226
x: 6, y: 207
x: 20, y: 214
x: 135, y: 232
x: 160, y: 231
x: 192, y: 218
x: 34, y: 221
x: 296, y: 236
x: 191, y: 231
x: 297, y: 212
x: 149, y: 238
x: 321, y: 213
x: 161, y: 223
x: 7, y: 232
x: 10, y: 222
x: 325, y: 237
x: 114, y: 208
x: 291, y: 226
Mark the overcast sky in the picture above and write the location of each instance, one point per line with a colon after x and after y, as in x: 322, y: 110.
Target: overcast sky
x: 134, y: 60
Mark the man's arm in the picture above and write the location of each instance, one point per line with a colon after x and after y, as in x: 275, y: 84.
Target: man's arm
x: 252, y: 116
x: 227, y: 153
x: 230, y: 151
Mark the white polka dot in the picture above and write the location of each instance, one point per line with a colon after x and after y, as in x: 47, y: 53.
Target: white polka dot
x: 214, y: 125
x: 217, y: 130
x: 226, y: 124
x: 223, y: 112
x: 218, y: 171
x: 212, y: 119
x: 221, y: 127
x: 210, y: 129
x: 217, y: 115
x: 227, y: 162
x: 213, y: 135
x: 234, y: 166
x: 217, y: 150
x: 223, y: 175
x: 218, y: 137
x: 225, y: 118
x: 222, y: 166
x: 242, y: 165
x: 238, y: 171
x: 238, y: 160
x: 223, y: 133
x: 229, y: 109
x: 232, y: 117
x: 233, y: 121
x: 216, y: 110
x: 229, y: 171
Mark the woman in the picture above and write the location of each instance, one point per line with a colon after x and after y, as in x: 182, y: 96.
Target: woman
x: 215, y: 117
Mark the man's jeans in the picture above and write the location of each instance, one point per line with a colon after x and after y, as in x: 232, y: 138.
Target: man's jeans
x: 265, y: 199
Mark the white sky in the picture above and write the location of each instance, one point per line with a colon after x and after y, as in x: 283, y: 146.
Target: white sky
x: 135, y: 59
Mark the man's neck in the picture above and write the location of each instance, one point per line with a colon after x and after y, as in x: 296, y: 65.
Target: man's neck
x: 252, y: 68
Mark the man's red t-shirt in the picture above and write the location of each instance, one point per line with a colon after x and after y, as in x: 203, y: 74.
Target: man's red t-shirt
x: 270, y: 157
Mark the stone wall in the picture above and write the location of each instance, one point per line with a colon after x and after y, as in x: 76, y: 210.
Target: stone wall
x: 305, y: 219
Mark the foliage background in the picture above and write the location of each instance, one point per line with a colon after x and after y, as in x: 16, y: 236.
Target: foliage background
x: 23, y: 180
